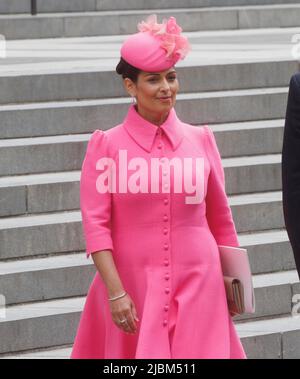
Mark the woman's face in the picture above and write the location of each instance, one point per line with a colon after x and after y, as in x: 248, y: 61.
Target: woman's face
x: 155, y: 92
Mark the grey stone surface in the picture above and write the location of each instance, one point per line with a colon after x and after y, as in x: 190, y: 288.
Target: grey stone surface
x: 57, y: 120
x: 271, y: 257
x: 235, y: 106
x: 261, y: 339
x: 47, y: 284
x: 51, y: 155
x: 264, y: 214
x: 62, y: 232
x: 99, y: 23
x: 154, y: 4
x: 53, y: 197
x: 250, y: 178
x: 264, y: 139
x: 52, y: 194
x: 53, y: 86
x: 49, y: 25
x: 41, y: 158
x: 190, y: 19
x: 66, y: 6
x: 23, y: 6
x: 24, y: 321
x: 31, y: 27
x: 28, y: 241
x: 272, y: 300
x: 38, y: 332
x: 14, y: 6
x: 86, y: 116
x: 280, y: 326
x: 12, y: 201
x: 71, y: 275
x: 62, y: 352
x: 263, y: 346
x: 269, y: 18
x: 296, y: 291
x: 38, y: 193
x: 291, y: 344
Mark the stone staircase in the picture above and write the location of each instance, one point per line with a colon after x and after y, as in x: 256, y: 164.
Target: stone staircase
x: 235, y: 80
x: 70, y: 18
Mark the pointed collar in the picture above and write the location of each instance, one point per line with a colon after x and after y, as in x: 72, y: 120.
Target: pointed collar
x: 144, y: 131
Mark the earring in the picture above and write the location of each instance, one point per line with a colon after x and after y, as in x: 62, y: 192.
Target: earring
x: 133, y: 100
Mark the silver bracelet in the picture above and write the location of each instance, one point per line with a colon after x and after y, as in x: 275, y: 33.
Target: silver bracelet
x: 118, y: 297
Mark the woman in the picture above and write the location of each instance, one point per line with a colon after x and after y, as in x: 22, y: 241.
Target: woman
x: 159, y: 290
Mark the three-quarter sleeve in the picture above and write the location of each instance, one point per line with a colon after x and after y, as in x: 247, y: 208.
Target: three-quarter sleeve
x: 95, y: 206
x: 218, y: 212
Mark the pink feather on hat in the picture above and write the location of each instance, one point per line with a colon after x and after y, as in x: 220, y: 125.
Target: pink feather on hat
x: 157, y: 46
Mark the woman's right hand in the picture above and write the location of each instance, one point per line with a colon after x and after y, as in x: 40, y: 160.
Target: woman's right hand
x: 122, y: 309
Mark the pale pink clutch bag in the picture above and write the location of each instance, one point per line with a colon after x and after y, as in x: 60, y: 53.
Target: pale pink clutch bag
x: 237, y: 279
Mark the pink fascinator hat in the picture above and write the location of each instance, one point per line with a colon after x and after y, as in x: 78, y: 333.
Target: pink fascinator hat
x: 156, y: 47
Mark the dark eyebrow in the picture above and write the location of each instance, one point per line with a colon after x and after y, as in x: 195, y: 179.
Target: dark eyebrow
x: 154, y: 73
x: 151, y: 73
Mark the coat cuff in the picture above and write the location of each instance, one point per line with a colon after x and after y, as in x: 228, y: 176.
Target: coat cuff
x: 97, y: 243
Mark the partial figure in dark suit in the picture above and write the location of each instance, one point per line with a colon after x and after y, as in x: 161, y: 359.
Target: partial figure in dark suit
x: 291, y: 168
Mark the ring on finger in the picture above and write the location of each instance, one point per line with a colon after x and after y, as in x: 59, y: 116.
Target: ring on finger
x: 122, y: 321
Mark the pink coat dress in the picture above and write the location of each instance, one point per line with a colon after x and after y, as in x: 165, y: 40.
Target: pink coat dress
x: 164, y: 246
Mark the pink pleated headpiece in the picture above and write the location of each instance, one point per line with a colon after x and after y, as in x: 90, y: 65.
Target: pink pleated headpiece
x: 156, y: 47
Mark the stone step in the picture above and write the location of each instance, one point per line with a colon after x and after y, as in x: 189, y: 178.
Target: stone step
x: 282, y: 286
x: 31, y: 155
x: 46, y: 278
x: 23, y: 6
x: 66, y: 152
x: 262, y: 136
x: 258, y: 211
x: 59, y: 191
x: 268, y: 251
x: 59, y: 232
x: 85, y: 116
x: 169, y: 4
x: 52, y: 353
x: 37, y: 235
x: 36, y: 193
x: 21, y: 120
x: 271, y: 338
x: 32, y: 326
x: 44, y: 82
x: 112, y: 22
x: 88, y: 113
x: 40, y: 324
x: 50, y: 278
x: 276, y: 338
x: 252, y: 173
x: 101, y: 53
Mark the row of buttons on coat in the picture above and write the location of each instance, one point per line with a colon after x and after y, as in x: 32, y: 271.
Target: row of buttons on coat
x: 165, y: 231
x: 166, y: 263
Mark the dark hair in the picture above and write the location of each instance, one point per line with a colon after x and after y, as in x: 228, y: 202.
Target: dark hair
x: 127, y: 70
